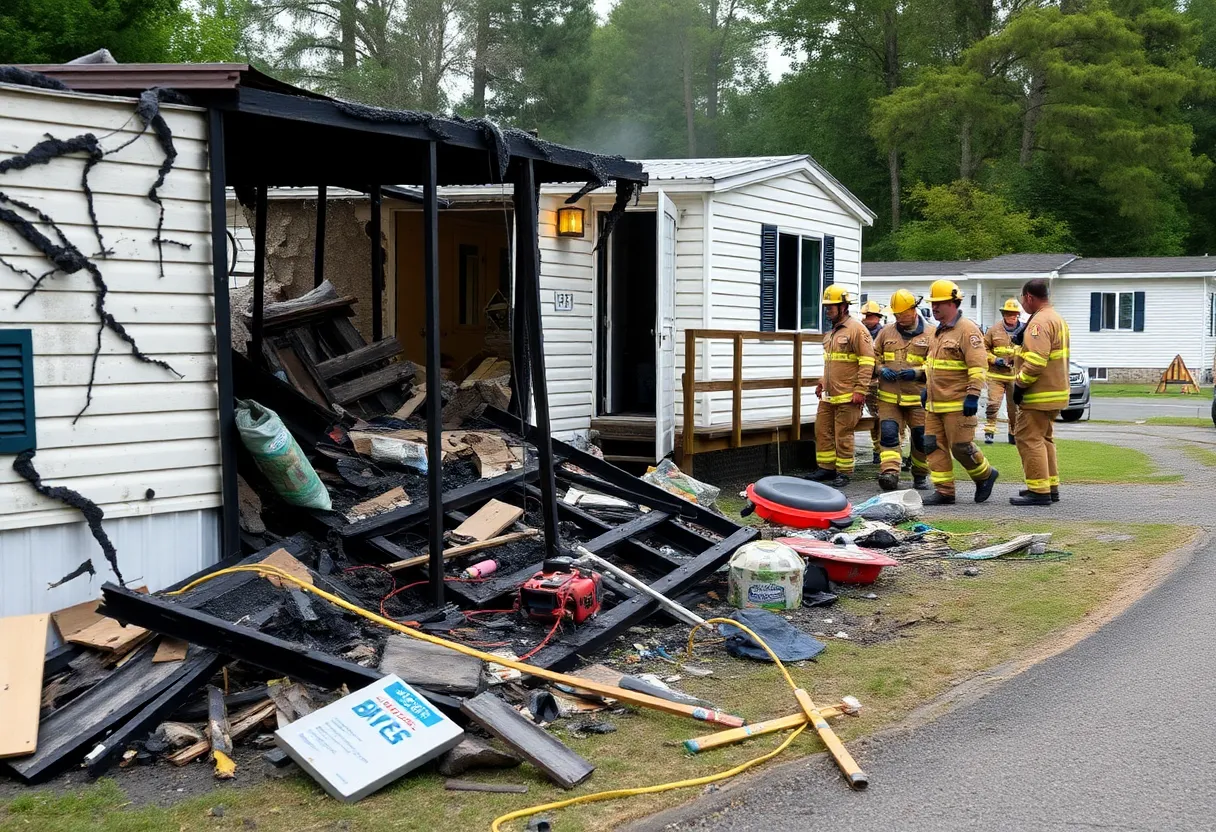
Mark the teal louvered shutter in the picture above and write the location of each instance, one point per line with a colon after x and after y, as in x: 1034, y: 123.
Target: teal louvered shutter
x: 768, y: 278
x: 16, y: 391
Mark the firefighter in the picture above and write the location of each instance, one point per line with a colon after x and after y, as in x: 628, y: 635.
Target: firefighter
x: 1001, y: 343
x: 871, y: 316
x: 1041, y: 392
x: 848, y: 366
x: 954, y: 373
x: 900, y: 350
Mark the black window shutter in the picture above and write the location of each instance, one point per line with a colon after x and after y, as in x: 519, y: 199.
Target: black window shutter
x: 1138, y: 312
x: 1095, y: 311
x: 768, y: 278
x: 829, y: 276
x: 16, y: 391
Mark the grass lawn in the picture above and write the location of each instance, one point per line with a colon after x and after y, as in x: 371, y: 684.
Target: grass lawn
x: 1103, y: 390
x: 1163, y: 421
x: 1202, y: 455
x: 1081, y: 462
x: 929, y: 628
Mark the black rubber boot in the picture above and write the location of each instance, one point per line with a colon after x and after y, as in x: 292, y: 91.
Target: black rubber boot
x: 821, y: 475
x: 1055, y: 495
x: 877, y: 460
x: 1031, y: 499
x: 920, y: 482
x: 983, y: 490
x: 1012, y: 441
x: 841, y: 481
x: 989, y: 438
x: 939, y: 499
x: 907, y: 466
x: 888, y: 481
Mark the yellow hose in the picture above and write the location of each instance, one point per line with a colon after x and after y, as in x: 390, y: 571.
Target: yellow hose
x: 531, y: 670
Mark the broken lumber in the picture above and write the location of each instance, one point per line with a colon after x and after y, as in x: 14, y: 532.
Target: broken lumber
x: 240, y: 726
x: 466, y: 549
x: 219, y: 734
x: 474, y: 752
x: 491, y: 455
x: 497, y: 788
x: 389, y: 500
x: 285, y: 561
x: 411, y: 405
x: 292, y: 701
x: 529, y: 740
x: 358, y: 359
x: 169, y: 650
x: 489, y: 520
x: 431, y: 666
x: 109, y: 636
x: 394, y: 374
x: 22, y: 650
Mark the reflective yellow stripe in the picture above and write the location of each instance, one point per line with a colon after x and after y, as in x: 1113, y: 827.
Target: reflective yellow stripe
x: 843, y: 398
x: 851, y: 357
x: 844, y: 466
x: 1052, y: 396
x: 999, y: 377
x: 1053, y: 481
x: 909, y: 401
x: 1039, y: 486
x: 890, y: 456
x: 917, y: 465
x: 980, y: 471
x: 889, y: 398
x: 1027, y: 380
x: 916, y: 359
x: 865, y: 361
x: 941, y: 476
x: 973, y: 372
x: 944, y: 407
x: 1005, y: 350
x: 888, y: 356
x: 947, y: 364
x: 1034, y: 358
x: 1055, y: 354
x: 827, y: 456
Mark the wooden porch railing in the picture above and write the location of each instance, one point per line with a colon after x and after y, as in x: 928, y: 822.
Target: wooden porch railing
x: 737, y: 383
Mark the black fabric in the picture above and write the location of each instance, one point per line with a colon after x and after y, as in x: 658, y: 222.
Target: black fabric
x: 889, y: 433
x: 918, y: 439
x: 816, y: 588
x: 795, y: 492
x: 26, y: 78
x: 930, y: 443
x: 789, y: 644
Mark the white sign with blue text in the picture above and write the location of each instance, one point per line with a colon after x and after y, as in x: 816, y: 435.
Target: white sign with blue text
x: 369, y: 738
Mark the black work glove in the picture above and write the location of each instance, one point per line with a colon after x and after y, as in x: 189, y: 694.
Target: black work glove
x: 1018, y: 393
x: 971, y: 405
x: 907, y: 375
x: 924, y: 394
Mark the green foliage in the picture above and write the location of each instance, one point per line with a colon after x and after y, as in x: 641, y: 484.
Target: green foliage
x: 960, y: 221
x: 56, y: 31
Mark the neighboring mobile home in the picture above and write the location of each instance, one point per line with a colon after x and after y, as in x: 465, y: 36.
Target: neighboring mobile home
x: 741, y: 244
x: 1128, y: 316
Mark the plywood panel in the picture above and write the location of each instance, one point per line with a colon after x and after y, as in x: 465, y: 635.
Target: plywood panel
x: 22, y: 645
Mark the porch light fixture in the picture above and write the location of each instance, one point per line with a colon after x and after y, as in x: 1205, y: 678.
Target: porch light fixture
x: 569, y: 221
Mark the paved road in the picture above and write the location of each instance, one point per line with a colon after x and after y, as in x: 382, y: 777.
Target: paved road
x: 1117, y: 732
x: 1130, y: 409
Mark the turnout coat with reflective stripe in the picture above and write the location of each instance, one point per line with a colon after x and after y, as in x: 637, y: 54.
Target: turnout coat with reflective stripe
x: 1043, y: 361
x: 956, y: 365
x: 897, y: 350
x: 848, y: 361
x: 1000, y: 345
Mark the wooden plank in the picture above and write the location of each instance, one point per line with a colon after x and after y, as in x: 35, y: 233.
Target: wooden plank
x: 219, y: 734
x: 608, y: 625
x: 411, y: 405
x: 284, y: 561
x: 489, y: 520
x: 71, y: 620
x: 473, y: 786
x: 466, y: 549
x: 244, y: 643
x: 668, y: 502
x: 241, y: 725
x: 373, y: 382
x: 483, y: 370
x: 190, y: 676
x: 722, y: 385
x: 641, y: 555
x: 110, y: 636
x: 474, y: 492
x: 491, y: 455
x: 22, y: 651
x: 529, y: 740
x: 749, y: 335
x: 389, y: 500
x: 298, y: 374
x: 796, y: 402
x: 358, y: 359
x: 612, y: 538
x: 65, y: 735
x: 431, y: 666
x: 170, y: 650
x: 317, y: 311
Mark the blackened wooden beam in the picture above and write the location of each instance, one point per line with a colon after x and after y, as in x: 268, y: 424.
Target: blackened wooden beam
x: 377, y: 266
x: 527, y: 277
x: 529, y: 740
x: 434, y: 381
x: 607, y: 626
x: 671, y: 505
x: 259, y: 276
x: 318, y: 251
x: 613, y: 538
x: 243, y: 643
x: 230, y: 530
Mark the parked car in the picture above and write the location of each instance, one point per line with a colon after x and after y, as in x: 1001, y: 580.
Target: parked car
x: 1078, y: 394
x: 1214, y: 406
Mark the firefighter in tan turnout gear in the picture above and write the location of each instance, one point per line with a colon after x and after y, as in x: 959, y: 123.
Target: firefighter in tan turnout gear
x: 871, y: 317
x: 848, y: 367
x: 1001, y: 342
x: 954, y: 373
x: 900, y: 349
x: 1041, y: 391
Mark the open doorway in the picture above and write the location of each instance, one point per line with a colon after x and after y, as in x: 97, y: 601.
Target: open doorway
x: 627, y: 313
x: 474, y: 270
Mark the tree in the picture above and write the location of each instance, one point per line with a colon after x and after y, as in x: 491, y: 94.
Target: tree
x: 960, y: 221
x: 57, y: 31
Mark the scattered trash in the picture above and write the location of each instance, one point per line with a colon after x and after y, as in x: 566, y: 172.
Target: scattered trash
x: 842, y: 634
x: 971, y: 571
x: 844, y: 564
x: 788, y: 643
x: 592, y: 728
x: 767, y: 575
x: 1008, y: 548
x: 891, y: 507
x: 279, y: 457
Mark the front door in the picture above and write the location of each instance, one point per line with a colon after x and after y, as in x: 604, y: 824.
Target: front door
x: 665, y: 329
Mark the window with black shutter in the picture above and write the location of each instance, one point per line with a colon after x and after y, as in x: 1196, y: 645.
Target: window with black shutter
x: 16, y: 391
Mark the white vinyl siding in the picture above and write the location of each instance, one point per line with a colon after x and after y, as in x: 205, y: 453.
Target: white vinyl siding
x: 796, y: 205
x: 148, y: 443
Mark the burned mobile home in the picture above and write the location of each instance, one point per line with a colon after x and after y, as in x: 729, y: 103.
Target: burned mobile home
x: 126, y: 361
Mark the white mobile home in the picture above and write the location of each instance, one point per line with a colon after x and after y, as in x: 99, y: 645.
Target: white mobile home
x: 740, y: 244
x: 1129, y: 316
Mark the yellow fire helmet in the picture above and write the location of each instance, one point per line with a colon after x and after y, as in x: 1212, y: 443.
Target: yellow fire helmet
x: 944, y: 290
x: 1011, y: 305
x: 871, y: 307
x: 835, y: 293
x: 903, y: 300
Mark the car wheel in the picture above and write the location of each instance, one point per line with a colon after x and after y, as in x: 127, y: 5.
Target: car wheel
x: 1072, y: 415
x: 1214, y: 411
